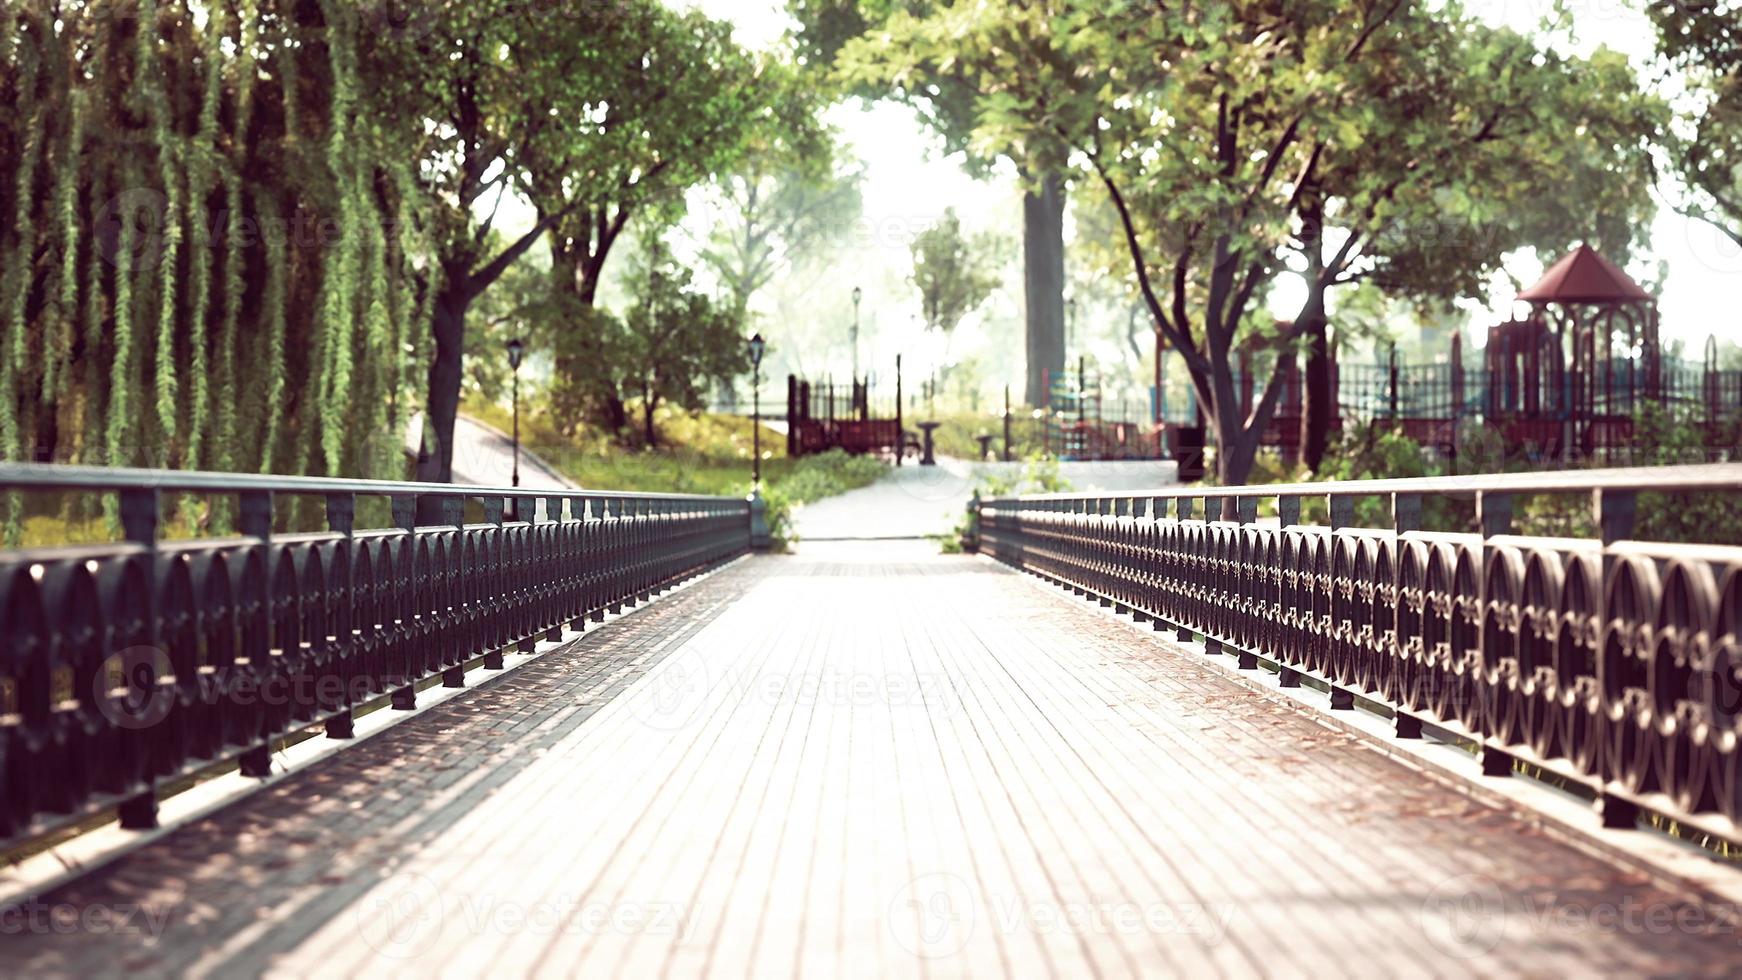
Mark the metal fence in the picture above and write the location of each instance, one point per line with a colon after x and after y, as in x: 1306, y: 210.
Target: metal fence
x: 1612, y: 663
x: 855, y: 417
x: 128, y: 666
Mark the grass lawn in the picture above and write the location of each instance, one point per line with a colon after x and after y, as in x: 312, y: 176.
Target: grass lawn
x: 708, y: 454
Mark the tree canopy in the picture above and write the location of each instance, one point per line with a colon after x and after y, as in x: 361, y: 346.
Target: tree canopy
x: 952, y: 272
x: 1704, y: 40
x: 790, y: 197
x: 1221, y: 132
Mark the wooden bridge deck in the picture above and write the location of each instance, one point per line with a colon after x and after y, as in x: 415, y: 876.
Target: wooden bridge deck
x: 865, y: 760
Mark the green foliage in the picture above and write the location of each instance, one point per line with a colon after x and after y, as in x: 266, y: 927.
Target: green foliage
x: 1666, y: 437
x: 788, y: 201
x: 1379, y: 452
x: 952, y: 272
x: 676, y: 340
x: 1704, y: 40
x: 943, y: 91
x: 162, y: 232
x: 1225, y: 135
x: 700, y: 453
x: 829, y: 474
x: 665, y: 100
x: 670, y: 345
x: 814, y: 478
x: 955, y: 436
x: 1663, y: 438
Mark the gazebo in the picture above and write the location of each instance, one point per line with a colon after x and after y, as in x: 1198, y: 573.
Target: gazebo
x: 1572, y: 371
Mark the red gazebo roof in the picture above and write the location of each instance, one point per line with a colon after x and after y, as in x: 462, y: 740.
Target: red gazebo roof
x: 1585, y: 277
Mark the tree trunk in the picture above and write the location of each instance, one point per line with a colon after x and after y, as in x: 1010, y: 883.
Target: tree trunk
x: 1043, y: 247
x: 1315, y: 409
x: 1233, y: 460
x: 647, y: 406
x: 1236, y: 444
x: 435, y: 462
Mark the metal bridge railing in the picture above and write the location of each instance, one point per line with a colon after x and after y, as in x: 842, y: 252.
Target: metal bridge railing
x: 126, y: 667
x: 1612, y: 663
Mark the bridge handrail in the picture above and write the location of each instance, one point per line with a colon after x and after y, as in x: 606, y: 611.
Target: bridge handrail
x: 52, y: 476
x: 1692, y: 477
x: 131, y: 665
x: 1611, y: 663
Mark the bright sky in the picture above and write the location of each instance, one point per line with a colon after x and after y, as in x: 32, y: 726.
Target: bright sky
x: 910, y: 183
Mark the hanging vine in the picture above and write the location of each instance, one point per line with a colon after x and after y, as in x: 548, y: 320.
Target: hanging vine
x: 15, y: 279
x: 67, y: 296
x: 199, y: 177
x: 210, y: 256
x: 273, y: 307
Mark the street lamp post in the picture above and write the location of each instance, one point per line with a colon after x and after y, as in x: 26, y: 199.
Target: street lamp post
x: 757, y: 346
x: 853, y: 334
x: 759, y: 536
x: 516, y: 350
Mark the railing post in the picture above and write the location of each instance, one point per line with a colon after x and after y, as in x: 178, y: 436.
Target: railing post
x: 1406, y: 516
x: 254, y: 519
x: 1288, y: 511
x: 1182, y: 632
x: 971, y: 529
x: 342, y: 519
x: 141, y: 510
x: 407, y: 511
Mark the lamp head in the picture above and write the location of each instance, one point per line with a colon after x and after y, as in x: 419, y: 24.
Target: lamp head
x: 516, y: 350
x: 757, y: 345
x: 858, y: 294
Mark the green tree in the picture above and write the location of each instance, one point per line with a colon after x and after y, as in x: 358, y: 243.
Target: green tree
x: 668, y: 347
x: 788, y: 200
x: 951, y: 272
x: 1218, y: 132
x: 493, y: 85
x: 1704, y: 40
x: 1540, y: 151
x: 946, y: 92
x: 674, y: 101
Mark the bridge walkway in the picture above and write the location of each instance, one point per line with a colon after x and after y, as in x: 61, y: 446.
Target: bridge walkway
x: 864, y: 760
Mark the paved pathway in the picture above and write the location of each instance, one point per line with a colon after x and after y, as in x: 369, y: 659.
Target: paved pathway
x: 916, y: 501
x: 866, y: 760
x: 484, y: 457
